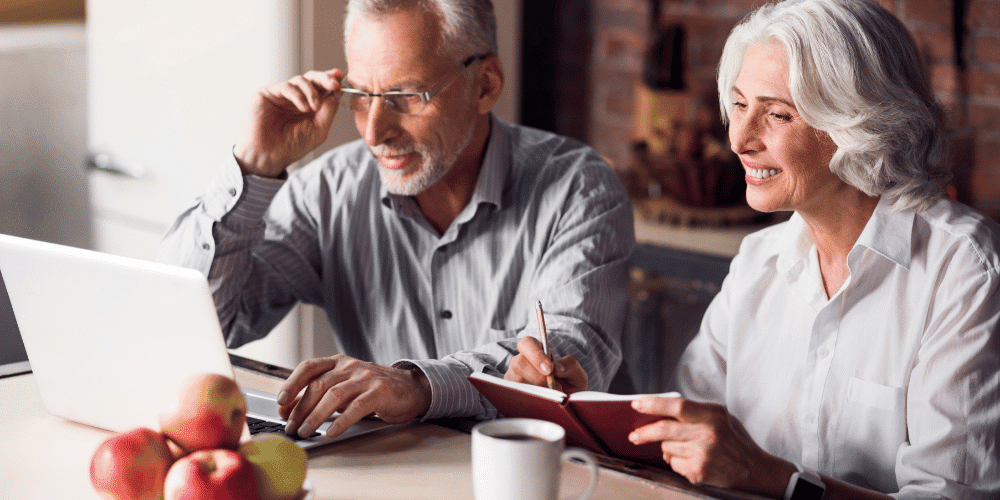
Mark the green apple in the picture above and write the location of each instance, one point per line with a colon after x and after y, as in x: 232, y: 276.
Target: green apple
x: 278, y: 464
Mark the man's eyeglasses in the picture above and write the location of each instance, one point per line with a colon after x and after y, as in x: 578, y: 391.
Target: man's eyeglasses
x: 404, y: 103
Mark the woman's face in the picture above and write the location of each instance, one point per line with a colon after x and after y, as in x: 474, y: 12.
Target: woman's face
x: 787, y: 162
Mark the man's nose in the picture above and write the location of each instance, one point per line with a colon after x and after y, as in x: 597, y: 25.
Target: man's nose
x: 378, y: 124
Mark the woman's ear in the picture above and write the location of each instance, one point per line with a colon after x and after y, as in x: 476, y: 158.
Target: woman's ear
x: 490, y: 83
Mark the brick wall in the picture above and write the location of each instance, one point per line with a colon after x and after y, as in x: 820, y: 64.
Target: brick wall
x: 969, y: 87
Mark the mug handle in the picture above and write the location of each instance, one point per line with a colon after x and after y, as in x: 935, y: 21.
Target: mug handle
x: 591, y: 462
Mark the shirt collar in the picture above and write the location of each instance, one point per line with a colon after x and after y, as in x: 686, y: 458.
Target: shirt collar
x: 888, y: 233
x: 492, y: 173
x: 792, y: 244
x: 496, y: 165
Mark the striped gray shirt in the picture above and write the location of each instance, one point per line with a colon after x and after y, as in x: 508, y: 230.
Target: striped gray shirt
x: 548, y: 220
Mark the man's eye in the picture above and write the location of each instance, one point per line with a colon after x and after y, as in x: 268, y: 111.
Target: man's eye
x: 408, y: 97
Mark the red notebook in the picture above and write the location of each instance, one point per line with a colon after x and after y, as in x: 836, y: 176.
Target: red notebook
x: 598, y: 421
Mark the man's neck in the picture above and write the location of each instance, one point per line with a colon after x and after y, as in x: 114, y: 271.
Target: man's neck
x: 444, y: 200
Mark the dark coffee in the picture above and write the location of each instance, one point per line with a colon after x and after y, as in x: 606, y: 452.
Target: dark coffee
x: 519, y: 437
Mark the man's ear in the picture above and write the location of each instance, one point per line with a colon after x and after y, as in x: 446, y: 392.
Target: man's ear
x: 490, y: 82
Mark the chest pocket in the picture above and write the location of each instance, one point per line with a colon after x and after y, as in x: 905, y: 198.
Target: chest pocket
x: 870, y: 394
x: 873, y: 426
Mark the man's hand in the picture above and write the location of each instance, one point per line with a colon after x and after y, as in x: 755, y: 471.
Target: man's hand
x: 288, y: 120
x: 707, y: 445
x: 354, y: 388
x: 531, y: 366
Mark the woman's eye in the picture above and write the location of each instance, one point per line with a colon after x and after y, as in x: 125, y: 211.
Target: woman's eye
x: 739, y: 105
x: 781, y: 117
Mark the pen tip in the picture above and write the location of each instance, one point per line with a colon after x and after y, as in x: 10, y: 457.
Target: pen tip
x: 538, y: 304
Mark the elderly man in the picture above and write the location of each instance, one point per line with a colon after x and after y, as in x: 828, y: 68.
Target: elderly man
x: 427, y: 243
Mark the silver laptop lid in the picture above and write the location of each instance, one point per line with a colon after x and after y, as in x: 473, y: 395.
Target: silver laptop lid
x: 109, y: 339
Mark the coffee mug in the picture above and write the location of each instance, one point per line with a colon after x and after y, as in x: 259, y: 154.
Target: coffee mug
x: 521, y: 459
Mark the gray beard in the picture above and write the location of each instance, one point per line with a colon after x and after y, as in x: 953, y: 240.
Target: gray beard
x: 434, y: 166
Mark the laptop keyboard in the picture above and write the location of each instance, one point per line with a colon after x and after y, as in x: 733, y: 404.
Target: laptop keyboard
x: 258, y: 426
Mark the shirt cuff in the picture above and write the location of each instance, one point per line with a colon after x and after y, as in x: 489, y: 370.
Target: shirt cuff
x: 242, y: 199
x: 451, y: 393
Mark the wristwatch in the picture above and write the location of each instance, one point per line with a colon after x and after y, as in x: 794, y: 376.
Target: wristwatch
x: 805, y: 485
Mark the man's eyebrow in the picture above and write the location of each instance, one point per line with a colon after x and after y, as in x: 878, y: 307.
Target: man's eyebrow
x: 410, y: 84
x: 767, y: 99
x: 348, y: 83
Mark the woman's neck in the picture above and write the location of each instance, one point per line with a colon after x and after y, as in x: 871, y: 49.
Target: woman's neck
x: 835, y: 230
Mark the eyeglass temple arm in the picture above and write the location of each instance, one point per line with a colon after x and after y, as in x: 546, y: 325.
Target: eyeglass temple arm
x: 431, y: 92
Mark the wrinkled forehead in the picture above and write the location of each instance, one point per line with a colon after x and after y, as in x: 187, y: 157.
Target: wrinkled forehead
x: 402, y: 47
x: 764, y: 68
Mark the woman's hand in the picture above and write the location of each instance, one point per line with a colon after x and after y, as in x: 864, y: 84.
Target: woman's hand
x: 707, y: 445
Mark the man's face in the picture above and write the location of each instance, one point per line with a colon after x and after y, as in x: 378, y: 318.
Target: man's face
x: 399, y: 52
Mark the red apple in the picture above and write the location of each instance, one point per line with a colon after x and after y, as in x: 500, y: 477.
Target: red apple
x: 175, y: 449
x: 209, y: 412
x: 131, y: 465
x: 211, y: 475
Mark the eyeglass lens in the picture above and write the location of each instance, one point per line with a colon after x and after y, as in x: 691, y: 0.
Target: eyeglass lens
x: 402, y: 103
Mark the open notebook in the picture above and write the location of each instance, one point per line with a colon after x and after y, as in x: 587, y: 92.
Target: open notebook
x: 111, y: 339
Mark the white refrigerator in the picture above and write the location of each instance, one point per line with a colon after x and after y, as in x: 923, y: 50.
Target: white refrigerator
x: 169, y: 87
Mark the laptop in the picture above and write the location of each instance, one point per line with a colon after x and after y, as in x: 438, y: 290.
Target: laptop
x: 13, y: 359
x: 112, y: 339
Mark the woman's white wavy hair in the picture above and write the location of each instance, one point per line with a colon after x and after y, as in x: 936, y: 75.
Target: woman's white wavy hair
x: 855, y: 73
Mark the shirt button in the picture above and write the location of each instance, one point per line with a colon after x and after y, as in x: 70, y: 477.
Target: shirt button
x: 824, y: 352
x: 206, y: 246
x: 232, y: 191
x: 446, y: 314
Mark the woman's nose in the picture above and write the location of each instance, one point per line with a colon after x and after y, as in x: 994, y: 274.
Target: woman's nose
x: 744, y: 135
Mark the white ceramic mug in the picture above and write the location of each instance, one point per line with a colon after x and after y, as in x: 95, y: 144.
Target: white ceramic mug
x: 521, y: 459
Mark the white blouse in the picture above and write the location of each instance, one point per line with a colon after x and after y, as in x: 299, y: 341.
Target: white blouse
x: 891, y: 384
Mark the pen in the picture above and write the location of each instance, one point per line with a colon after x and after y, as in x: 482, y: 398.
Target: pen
x: 545, y: 341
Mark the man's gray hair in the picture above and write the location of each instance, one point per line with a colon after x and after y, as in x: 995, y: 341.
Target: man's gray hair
x: 855, y: 73
x: 468, y: 27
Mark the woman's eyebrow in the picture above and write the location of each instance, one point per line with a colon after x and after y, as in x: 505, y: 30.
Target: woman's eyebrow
x: 766, y: 99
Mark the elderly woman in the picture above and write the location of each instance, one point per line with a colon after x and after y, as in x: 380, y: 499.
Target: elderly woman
x: 860, y: 338
x: 853, y: 348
